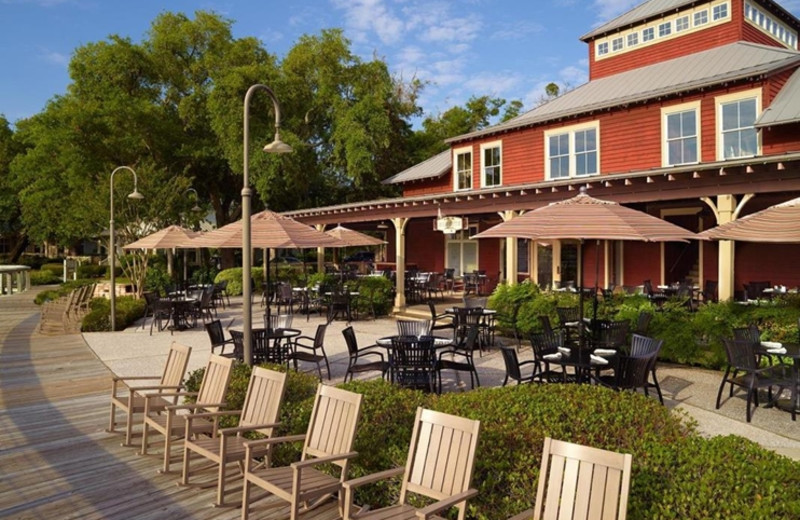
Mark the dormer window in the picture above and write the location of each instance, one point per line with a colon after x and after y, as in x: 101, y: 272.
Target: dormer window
x: 462, y: 169
x: 616, y: 44
x: 602, y: 48
x: 648, y: 34
x: 701, y: 17
x: 720, y: 11
x: 664, y: 29
x: 736, y: 133
x: 682, y: 24
x: 491, y: 164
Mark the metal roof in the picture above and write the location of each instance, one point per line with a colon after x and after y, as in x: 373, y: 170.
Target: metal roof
x: 639, y: 13
x: 730, y: 62
x: 431, y: 168
x: 654, y: 8
x: 785, y: 108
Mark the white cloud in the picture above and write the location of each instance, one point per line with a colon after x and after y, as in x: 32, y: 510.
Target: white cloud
x: 365, y: 17
x: 56, y: 58
x: 493, y: 83
x: 453, y: 30
x: 517, y: 30
x: 608, y: 9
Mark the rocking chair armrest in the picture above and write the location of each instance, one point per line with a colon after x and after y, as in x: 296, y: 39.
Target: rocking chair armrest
x: 427, y: 512
x: 374, y: 477
x: 211, y: 415
x: 154, y: 387
x: 241, y: 429
x: 176, y: 394
x: 274, y: 440
x: 132, y: 378
x: 195, y: 406
x: 308, y: 463
x: 525, y: 515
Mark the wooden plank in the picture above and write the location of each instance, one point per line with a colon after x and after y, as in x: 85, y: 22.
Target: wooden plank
x: 57, y: 460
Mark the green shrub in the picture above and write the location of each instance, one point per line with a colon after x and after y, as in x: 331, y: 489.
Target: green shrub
x: 374, y: 295
x: 44, y: 277
x: 234, y: 278
x: 55, y: 268
x: 63, y: 290
x: 128, y: 309
x: 157, y: 280
x: 91, y: 271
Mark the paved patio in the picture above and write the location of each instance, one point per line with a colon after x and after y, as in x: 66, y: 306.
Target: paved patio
x: 690, y: 390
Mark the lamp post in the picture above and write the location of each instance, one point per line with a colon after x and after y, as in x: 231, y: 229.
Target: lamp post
x: 276, y: 146
x: 195, y: 209
x: 135, y: 195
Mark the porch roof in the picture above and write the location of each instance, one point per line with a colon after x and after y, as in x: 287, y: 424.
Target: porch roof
x: 629, y: 187
x: 733, y: 62
x: 785, y: 108
x: 431, y: 168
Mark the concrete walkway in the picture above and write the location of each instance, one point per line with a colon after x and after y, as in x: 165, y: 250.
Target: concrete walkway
x: 689, y: 390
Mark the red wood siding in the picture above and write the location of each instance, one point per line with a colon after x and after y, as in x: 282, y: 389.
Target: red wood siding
x: 779, y: 260
x: 642, y: 261
x: 676, y: 47
x: 424, y: 246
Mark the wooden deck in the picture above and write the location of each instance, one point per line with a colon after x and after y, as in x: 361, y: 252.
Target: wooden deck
x: 57, y: 461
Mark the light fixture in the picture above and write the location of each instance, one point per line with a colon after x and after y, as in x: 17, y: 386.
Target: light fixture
x: 383, y: 225
x: 196, y: 208
x: 781, y: 166
x: 112, y: 261
x: 749, y: 169
x: 722, y: 171
x: 276, y: 146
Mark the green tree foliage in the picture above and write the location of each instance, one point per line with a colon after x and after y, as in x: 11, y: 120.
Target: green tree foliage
x: 10, y: 222
x: 477, y: 113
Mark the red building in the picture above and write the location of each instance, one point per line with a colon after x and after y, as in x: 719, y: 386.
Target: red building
x: 692, y: 114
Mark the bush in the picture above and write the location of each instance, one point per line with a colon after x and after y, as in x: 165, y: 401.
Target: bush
x: 374, y: 295
x: 63, y: 290
x: 91, y: 271
x: 677, y: 474
x: 234, y: 279
x: 44, y: 277
x: 57, y: 269
x: 128, y: 309
x: 157, y: 280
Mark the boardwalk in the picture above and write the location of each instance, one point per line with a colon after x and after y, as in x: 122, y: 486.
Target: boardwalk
x: 56, y: 460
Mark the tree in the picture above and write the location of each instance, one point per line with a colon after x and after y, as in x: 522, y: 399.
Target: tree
x: 11, y: 226
x: 476, y: 114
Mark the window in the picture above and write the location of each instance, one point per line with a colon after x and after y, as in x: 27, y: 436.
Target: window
x: 572, y: 152
x: 462, y: 252
x: 648, y: 34
x: 682, y: 23
x: 602, y: 48
x: 586, y: 152
x: 491, y: 157
x: 720, y: 11
x: 736, y: 116
x: 701, y: 17
x: 681, y: 143
x: 664, y: 29
x: 616, y: 44
x: 462, y: 174
x: 559, y: 156
x: 633, y: 39
x: 770, y: 25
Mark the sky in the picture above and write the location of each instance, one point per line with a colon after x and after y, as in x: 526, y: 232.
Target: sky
x: 460, y: 48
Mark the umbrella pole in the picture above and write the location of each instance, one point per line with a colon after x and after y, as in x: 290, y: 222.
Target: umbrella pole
x: 596, y: 278
x: 581, y: 332
x: 269, y: 292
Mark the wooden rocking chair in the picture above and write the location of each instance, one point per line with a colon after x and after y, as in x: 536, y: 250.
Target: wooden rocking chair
x: 210, y: 398
x: 259, y: 414
x: 329, y: 440
x: 439, y: 466
x: 134, y: 401
x: 578, y: 481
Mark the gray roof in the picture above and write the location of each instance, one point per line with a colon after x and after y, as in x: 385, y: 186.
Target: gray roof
x: 436, y: 166
x: 785, y: 108
x: 654, y: 8
x: 704, y: 69
x: 638, y: 14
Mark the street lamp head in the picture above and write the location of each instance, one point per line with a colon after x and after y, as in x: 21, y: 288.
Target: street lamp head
x: 135, y: 195
x: 196, y: 208
x: 278, y: 146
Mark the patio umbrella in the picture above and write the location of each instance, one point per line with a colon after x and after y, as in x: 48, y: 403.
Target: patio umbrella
x: 267, y: 230
x: 779, y: 224
x: 353, y: 238
x: 586, y: 218
x: 168, y: 238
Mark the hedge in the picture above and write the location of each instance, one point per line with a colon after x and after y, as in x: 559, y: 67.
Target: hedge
x: 677, y: 474
x: 44, y: 277
x: 691, y: 338
x: 128, y: 309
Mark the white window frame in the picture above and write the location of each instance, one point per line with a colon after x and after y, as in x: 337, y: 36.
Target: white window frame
x: 487, y: 146
x: 571, y: 131
x: 675, y: 109
x: 617, y: 44
x: 466, y: 150
x: 719, y: 101
x: 700, y: 18
x: 715, y: 10
x: 648, y: 30
x: 459, y: 239
x: 664, y: 29
x: 682, y: 23
x: 602, y: 48
x: 633, y: 39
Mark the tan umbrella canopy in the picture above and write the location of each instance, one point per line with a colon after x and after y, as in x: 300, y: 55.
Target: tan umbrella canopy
x: 779, y: 224
x: 268, y: 230
x: 167, y: 238
x: 585, y: 217
x: 353, y: 238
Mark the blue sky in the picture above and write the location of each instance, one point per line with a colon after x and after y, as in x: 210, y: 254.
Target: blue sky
x: 505, y: 48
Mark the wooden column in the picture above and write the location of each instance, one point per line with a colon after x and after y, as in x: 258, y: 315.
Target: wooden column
x: 512, y: 267
x: 400, y: 263
x: 320, y: 251
x: 556, y: 245
x: 726, y: 210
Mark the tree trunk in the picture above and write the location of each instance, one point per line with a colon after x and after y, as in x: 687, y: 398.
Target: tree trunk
x: 20, y: 245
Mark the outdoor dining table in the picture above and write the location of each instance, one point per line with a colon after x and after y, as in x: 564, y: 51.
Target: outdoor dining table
x: 272, y: 345
x: 181, y: 312
x: 786, y: 351
x: 586, y: 362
